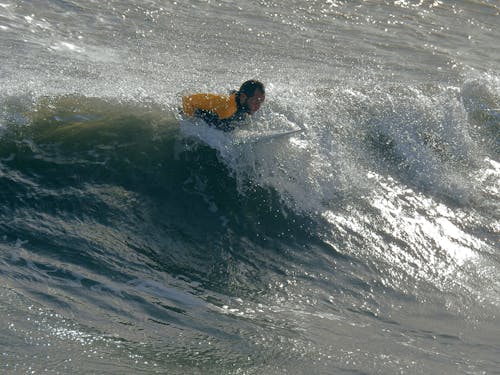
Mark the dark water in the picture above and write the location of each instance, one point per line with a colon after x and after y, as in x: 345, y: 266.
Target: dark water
x: 367, y: 244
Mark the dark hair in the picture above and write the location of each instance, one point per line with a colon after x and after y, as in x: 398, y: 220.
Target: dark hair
x: 249, y: 87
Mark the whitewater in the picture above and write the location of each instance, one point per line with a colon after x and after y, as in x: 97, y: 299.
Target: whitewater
x: 132, y: 242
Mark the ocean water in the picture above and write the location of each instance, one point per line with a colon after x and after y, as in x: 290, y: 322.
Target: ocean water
x: 133, y: 244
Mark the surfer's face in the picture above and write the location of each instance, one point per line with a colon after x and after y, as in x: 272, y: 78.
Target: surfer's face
x: 252, y: 103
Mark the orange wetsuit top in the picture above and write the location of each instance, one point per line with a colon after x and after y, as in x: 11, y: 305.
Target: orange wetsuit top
x: 220, y: 111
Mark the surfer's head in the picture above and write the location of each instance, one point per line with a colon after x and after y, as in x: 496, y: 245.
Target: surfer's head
x: 250, y: 96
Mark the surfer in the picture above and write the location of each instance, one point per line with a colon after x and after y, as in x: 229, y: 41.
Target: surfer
x: 225, y: 111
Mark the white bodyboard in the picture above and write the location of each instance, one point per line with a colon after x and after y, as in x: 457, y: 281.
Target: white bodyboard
x: 256, y: 137
x: 217, y: 138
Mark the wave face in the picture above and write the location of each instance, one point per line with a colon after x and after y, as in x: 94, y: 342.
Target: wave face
x: 133, y: 243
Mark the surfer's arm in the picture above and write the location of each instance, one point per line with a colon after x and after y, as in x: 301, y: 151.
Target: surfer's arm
x: 209, y: 117
x: 225, y: 126
x: 213, y: 119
